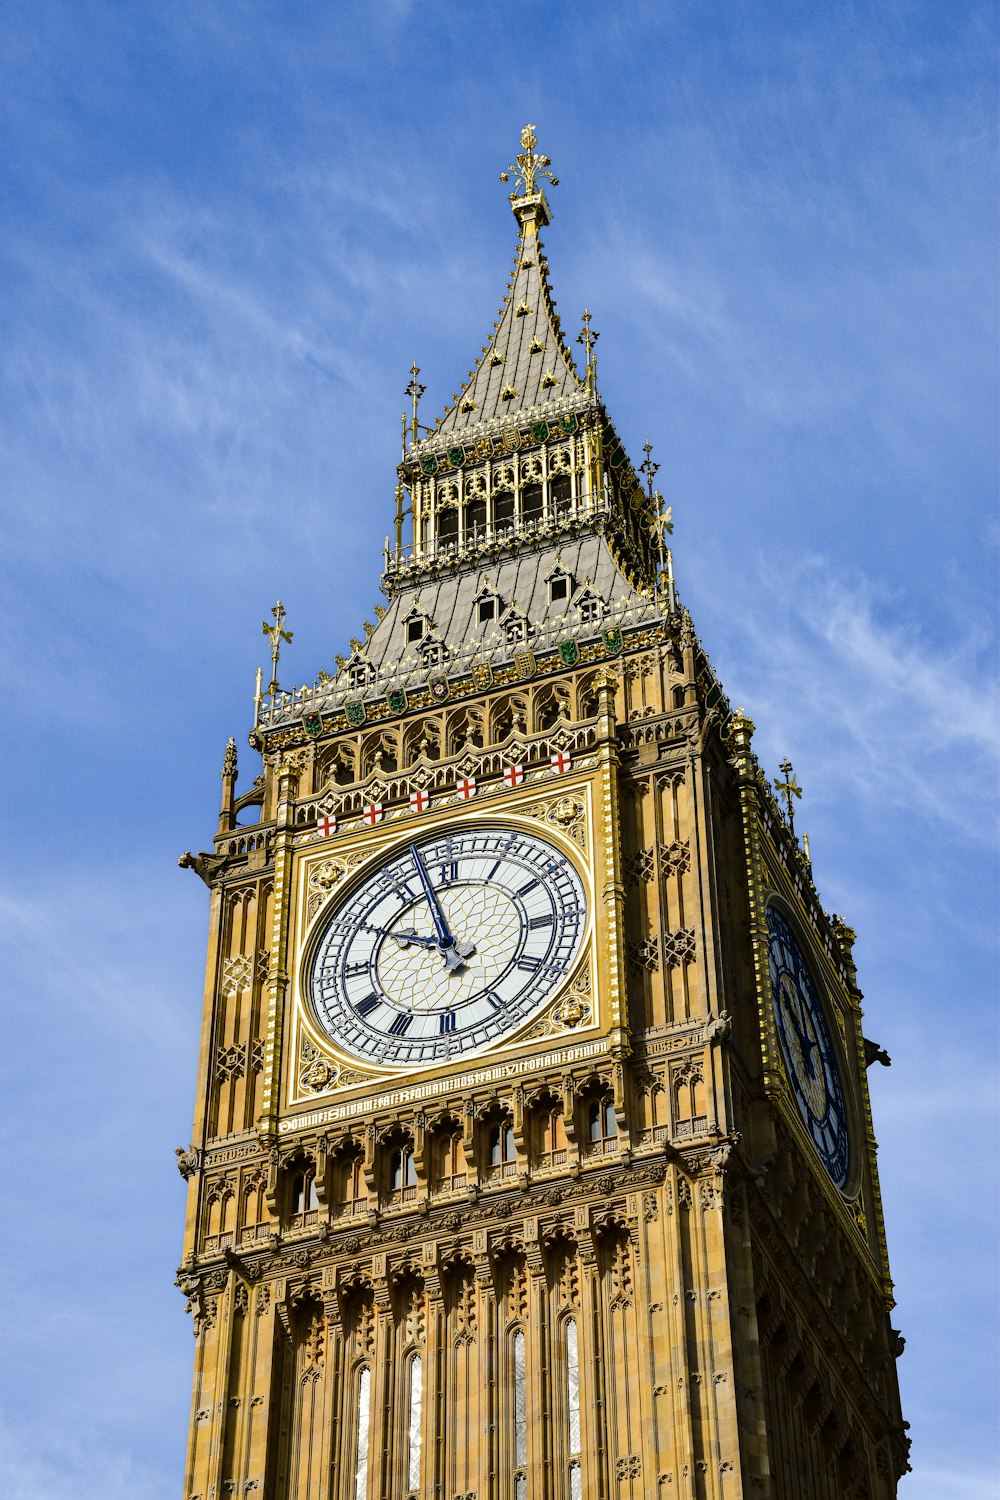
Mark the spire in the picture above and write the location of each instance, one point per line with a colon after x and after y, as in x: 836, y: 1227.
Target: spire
x: 526, y: 363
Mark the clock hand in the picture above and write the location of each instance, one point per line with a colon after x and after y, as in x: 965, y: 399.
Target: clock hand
x: 440, y: 920
x: 453, y: 952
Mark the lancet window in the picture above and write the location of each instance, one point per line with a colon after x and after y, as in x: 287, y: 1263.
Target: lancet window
x: 575, y: 1475
x: 414, y: 1422
x: 361, y: 1433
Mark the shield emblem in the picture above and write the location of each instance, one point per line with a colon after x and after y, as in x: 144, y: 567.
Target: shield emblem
x: 568, y: 424
x: 482, y: 674
x: 396, y: 699
x: 612, y: 640
x: 456, y: 456
x: 540, y: 431
x: 313, y: 724
x: 524, y: 663
x: 438, y: 685
x: 569, y: 653
x: 355, y: 711
x: 484, y: 447
x: 511, y: 439
x: 429, y: 464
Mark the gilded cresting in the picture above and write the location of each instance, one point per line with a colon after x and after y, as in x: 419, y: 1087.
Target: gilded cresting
x: 598, y: 1253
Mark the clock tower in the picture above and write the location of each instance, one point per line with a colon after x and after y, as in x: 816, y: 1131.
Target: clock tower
x: 532, y: 1156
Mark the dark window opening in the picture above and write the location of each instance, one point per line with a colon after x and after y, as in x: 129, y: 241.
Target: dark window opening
x: 414, y: 630
x: 475, y: 518
x: 447, y: 527
x: 503, y: 508
x: 561, y: 492
x: 531, y: 502
x: 487, y: 610
x: 559, y: 588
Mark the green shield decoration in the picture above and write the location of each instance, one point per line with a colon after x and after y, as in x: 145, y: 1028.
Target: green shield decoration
x: 438, y: 685
x: 569, y: 653
x: 313, y: 724
x: 396, y: 699
x: 355, y: 711
x: 612, y: 639
x: 540, y: 431
x: 429, y: 464
x: 568, y: 424
x: 456, y: 456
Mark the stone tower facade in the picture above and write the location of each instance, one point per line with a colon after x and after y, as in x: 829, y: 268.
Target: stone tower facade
x: 532, y: 1156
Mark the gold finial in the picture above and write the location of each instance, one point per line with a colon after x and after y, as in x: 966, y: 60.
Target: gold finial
x: 789, y: 789
x: 276, y: 633
x: 588, y: 338
x: 648, y: 468
x: 414, y: 390
x: 530, y: 166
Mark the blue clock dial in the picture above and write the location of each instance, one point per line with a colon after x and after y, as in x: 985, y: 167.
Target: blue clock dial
x: 453, y: 942
x: 807, y: 1048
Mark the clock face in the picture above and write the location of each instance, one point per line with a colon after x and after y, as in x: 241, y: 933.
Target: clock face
x: 807, y: 1048
x: 453, y: 942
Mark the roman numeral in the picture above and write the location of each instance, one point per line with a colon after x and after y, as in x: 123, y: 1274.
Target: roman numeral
x: 400, y: 1025
x: 526, y: 888
x: 446, y: 1021
x: 537, y: 922
x: 366, y: 1006
x: 493, y: 1000
x: 449, y: 872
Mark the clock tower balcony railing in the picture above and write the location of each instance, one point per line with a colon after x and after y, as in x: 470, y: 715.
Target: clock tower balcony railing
x: 486, y: 542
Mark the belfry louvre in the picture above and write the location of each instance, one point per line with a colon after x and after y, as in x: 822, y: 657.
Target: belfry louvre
x: 533, y: 1155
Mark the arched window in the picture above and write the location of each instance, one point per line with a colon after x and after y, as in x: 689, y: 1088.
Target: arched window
x: 414, y: 1426
x: 361, y: 1434
x: 531, y: 503
x: 302, y: 1196
x: 503, y: 510
x: 501, y: 1150
x: 520, y: 1402
x: 560, y: 495
x: 447, y: 527
x: 602, y: 1125
x: 475, y: 519
x: 550, y: 1134
x: 402, y: 1169
x: 573, y: 1409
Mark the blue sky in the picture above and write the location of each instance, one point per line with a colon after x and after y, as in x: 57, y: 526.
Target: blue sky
x: 228, y: 229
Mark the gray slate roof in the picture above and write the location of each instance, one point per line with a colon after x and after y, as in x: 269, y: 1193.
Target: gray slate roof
x: 521, y: 370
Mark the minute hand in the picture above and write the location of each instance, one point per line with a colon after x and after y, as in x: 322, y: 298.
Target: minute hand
x: 440, y: 920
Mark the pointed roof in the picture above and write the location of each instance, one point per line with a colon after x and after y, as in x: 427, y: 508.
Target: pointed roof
x: 526, y: 363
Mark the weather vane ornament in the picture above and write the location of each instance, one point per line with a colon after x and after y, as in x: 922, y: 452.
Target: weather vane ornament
x: 588, y: 338
x: 529, y: 167
x: 276, y: 633
x: 789, y: 789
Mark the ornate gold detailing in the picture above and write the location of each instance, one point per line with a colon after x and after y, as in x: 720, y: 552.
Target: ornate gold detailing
x: 789, y: 789
x: 415, y: 390
x: 530, y: 165
x: 326, y: 877
x: 575, y: 1008
x: 565, y: 813
x: 276, y: 633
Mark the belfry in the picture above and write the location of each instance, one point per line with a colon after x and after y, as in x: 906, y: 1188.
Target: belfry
x: 533, y: 1156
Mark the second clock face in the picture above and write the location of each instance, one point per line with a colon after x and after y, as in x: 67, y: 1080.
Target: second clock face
x: 808, y: 1049
x: 453, y: 942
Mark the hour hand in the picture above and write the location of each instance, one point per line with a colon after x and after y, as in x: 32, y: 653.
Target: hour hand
x: 405, y: 937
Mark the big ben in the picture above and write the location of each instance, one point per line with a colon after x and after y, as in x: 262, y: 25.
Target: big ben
x: 533, y: 1156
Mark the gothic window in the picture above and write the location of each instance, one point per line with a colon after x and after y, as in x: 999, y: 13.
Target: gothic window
x: 449, y: 1167
x: 560, y: 495
x: 475, y: 519
x: 503, y: 510
x: 414, y: 1425
x: 573, y: 1409
x: 531, y: 503
x: 414, y: 629
x: 401, y: 1173
x: 361, y: 1434
x: 520, y: 1403
x: 549, y: 1133
x: 255, y: 1213
x: 601, y: 1122
x: 302, y: 1196
x: 351, y: 1187
x: 447, y: 527
x: 501, y: 1147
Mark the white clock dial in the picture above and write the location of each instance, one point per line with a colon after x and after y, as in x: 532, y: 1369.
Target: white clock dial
x: 454, y: 941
